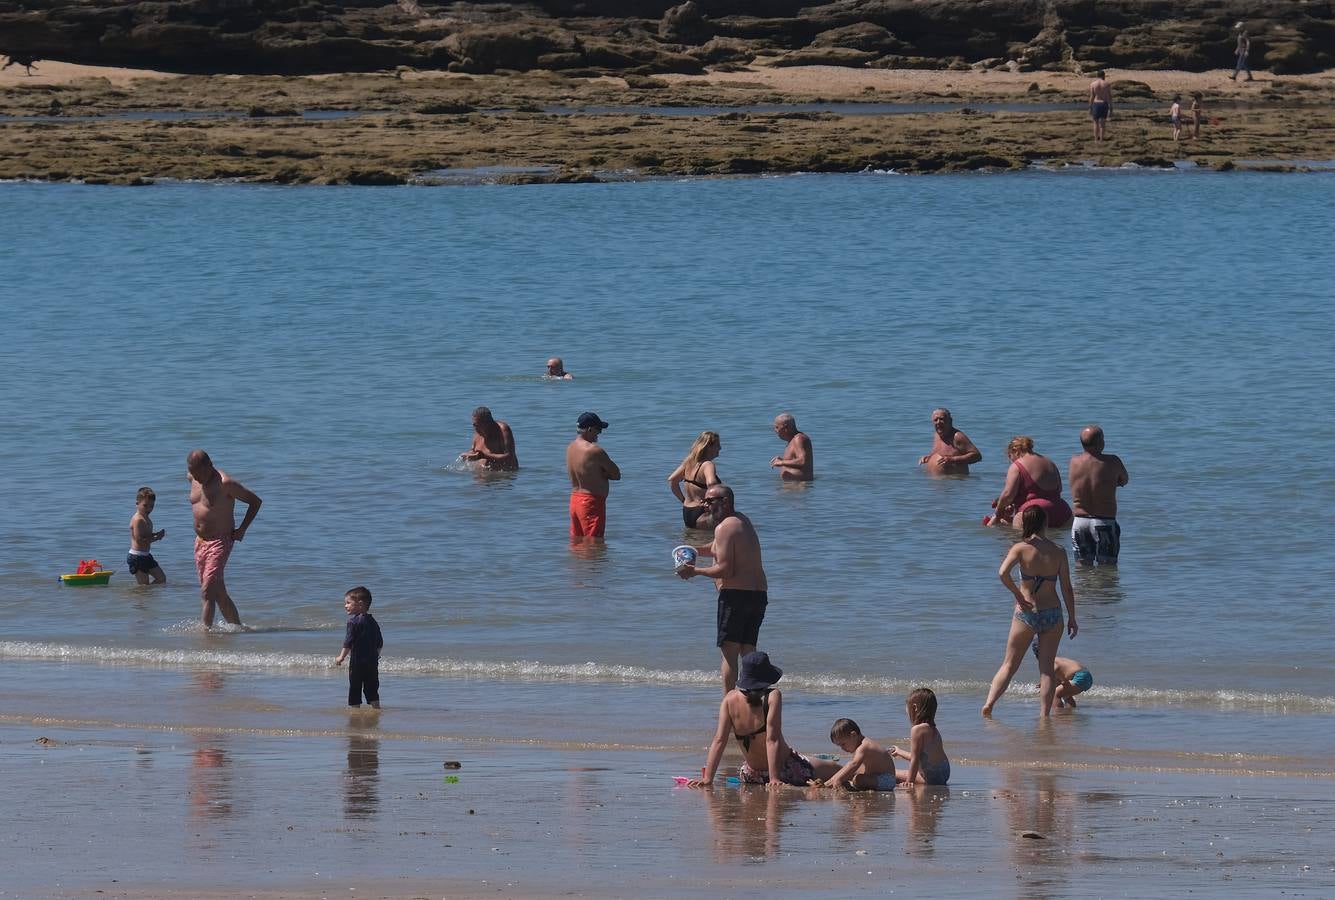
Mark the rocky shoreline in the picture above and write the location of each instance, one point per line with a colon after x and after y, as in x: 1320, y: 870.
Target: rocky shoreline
x: 547, y: 127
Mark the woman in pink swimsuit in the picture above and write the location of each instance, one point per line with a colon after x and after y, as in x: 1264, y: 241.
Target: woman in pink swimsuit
x: 1032, y: 480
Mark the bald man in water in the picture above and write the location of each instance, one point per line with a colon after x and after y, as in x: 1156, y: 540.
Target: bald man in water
x: 1094, y: 477
x: 213, y: 496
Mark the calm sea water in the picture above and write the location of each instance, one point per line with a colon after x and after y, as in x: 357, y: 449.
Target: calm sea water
x: 327, y: 346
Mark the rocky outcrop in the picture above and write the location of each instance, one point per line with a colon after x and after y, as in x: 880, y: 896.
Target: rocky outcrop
x: 651, y: 36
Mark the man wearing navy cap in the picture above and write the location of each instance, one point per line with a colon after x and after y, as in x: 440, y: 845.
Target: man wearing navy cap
x: 590, y: 471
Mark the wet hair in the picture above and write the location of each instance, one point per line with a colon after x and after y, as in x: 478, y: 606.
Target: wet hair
x: 757, y: 696
x: 705, y: 440
x: 843, y: 728
x: 922, y: 707
x: 145, y: 493
x: 1033, y: 520
x: 196, y: 458
x: 482, y: 413
x: 361, y: 595
x: 1020, y: 444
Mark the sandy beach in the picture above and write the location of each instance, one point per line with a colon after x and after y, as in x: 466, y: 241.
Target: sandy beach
x: 126, y: 127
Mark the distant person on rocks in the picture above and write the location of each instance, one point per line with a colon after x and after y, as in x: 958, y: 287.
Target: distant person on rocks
x: 556, y: 369
x: 1175, y: 116
x: 1032, y: 480
x: 798, y: 461
x: 1242, y: 49
x: 1095, y: 477
x: 493, y: 443
x: 590, y: 470
x: 1197, y: 113
x: 213, y: 496
x: 689, y: 481
x: 738, y: 573
x: 952, y: 451
x: 1100, y: 104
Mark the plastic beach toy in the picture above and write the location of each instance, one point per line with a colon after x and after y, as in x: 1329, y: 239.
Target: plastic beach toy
x: 90, y: 571
x: 682, y: 556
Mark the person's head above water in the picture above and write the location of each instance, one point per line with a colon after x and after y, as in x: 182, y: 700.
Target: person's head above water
x: 720, y: 500
x: 785, y: 426
x: 556, y: 368
x: 1091, y: 438
x: 757, y: 672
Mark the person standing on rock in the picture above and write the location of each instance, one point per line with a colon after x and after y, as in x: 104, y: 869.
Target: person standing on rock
x: 1244, y: 47
x: 1100, y: 104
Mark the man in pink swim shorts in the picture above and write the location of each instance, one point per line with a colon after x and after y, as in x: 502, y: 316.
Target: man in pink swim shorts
x: 213, y: 497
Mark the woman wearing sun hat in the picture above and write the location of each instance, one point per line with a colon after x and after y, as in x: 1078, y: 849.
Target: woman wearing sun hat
x: 753, y: 712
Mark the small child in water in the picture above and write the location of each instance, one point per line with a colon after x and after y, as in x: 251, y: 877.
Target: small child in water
x: 1175, y: 114
x: 872, y: 768
x: 363, y: 642
x: 1072, y: 678
x: 927, y: 754
x: 142, y: 537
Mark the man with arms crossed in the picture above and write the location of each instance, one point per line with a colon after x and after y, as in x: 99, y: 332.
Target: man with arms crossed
x: 1095, y: 477
x: 493, y: 443
x: 952, y: 451
x: 213, y: 497
x: 798, y: 461
x: 590, y: 471
x: 743, y: 592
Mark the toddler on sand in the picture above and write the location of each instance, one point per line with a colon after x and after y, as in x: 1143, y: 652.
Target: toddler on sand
x: 927, y: 755
x: 361, y: 640
x: 872, y: 768
x: 142, y: 536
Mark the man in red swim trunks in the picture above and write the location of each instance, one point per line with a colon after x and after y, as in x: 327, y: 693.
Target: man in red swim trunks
x: 590, y: 471
x: 213, y: 497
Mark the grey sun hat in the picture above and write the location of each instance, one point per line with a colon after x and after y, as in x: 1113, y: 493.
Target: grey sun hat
x: 758, y: 672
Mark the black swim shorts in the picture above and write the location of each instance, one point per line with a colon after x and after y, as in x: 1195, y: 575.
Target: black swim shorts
x: 739, y: 616
x: 141, y: 562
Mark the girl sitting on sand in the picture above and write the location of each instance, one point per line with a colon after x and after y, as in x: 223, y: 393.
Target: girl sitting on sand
x: 928, y: 763
x: 753, y: 711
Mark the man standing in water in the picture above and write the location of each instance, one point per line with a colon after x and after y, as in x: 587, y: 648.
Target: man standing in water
x: 1100, y: 104
x: 798, y: 462
x: 952, y: 451
x: 493, y: 443
x: 213, y: 497
x: 1095, y: 477
x: 743, y: 592
x: 590, y: 471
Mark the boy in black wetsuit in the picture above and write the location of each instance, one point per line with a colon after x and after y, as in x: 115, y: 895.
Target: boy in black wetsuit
x: 363, y: 642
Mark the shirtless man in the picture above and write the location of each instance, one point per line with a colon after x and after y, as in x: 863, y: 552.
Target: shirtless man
x: 590, y: 471
x: 493, y: 443
x: 739, y: 577
x: 1095, y: 477
x: 798, y: 461
x: 952, y: 451
x: 557, y: 369
x: 1100, y: 104
x: 213, y: 497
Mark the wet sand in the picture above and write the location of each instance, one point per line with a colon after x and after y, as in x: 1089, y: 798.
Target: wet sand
x: 410, y: 124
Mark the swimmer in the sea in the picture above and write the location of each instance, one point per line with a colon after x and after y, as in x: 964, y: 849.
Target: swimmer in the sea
x: 493, y: 443
x: 556, y: 369
x: 952, y: 451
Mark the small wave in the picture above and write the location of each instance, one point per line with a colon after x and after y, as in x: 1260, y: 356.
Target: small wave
x: 610, y: 673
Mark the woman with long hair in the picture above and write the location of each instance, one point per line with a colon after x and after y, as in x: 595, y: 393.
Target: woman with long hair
x: 689, y: 481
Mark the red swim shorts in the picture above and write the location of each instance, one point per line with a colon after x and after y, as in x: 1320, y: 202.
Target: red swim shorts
x: 588, y: 515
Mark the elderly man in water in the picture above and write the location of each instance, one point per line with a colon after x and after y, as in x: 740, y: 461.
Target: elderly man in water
x: 493, y: 443
x: 952, y: 451
x: 557, y: 369
x: 213, y: 496
x: 1095, y: 477
x: 798, y: 461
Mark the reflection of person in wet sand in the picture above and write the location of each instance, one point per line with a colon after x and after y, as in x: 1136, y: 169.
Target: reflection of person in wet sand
x: 213, y: 497
x: 747, y: 824
x: 952, y: 451
x: 210, y: 780
x: 798, y: 461
x: 361, y: 783
x: 753, y: 712
x: 493, y: 443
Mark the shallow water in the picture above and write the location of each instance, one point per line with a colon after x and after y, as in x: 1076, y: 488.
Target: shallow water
x: 326, y: 345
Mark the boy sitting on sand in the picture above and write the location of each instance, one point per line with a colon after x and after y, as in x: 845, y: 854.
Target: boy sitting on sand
x: 140, y: 560
x: 872, y: 768
x: 363, y: 642
x: 1072, y: 678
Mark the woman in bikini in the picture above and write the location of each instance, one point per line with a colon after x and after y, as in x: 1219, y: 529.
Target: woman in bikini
x: 692, y: 478
x: 1038, y: 613
x: 1031, y: 480
x: 753, y: 712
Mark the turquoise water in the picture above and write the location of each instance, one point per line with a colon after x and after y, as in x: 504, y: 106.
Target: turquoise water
x: 327, y: 345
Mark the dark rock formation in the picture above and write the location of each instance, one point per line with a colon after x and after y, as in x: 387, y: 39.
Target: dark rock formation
x: 649, y: 36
